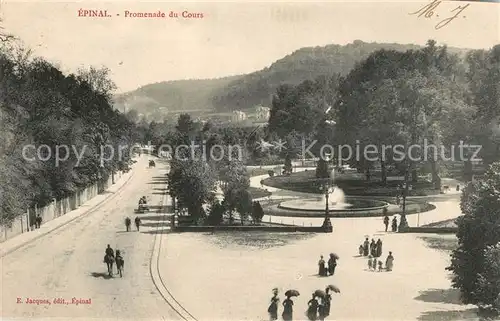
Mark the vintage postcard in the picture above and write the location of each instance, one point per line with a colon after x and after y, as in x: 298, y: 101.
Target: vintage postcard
x: 250, y: 160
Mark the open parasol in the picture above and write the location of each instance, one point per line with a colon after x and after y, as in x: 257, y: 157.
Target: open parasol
x: 291, y: 293
x: 335, y: 256
x: 320, y: 293
x: 333, y: 288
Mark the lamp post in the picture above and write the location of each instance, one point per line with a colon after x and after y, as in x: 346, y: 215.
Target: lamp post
x: 327, y: 224
x: 403, y: 223
x: 327, y: 189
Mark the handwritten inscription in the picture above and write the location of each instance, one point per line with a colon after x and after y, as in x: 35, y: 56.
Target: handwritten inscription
x: 428, y: 11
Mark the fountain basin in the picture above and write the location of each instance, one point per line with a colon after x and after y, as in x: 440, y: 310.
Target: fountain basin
x: 350, y: 205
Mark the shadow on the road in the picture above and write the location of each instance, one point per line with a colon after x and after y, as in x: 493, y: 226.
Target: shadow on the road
x: 162, y: 231
x: 154, y: 218
x: 101, y: 275
x: 454, y: 315
x: 319, y: 276
x: 159, y: 177
x: 119, y: 232
x: 161, y: 208
x: 155, y: 224
x: 157, y: 183
x: 449, y: 296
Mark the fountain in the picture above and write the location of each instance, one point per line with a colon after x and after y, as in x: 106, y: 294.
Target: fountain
x: 336, y: 199
x: 339, y: 205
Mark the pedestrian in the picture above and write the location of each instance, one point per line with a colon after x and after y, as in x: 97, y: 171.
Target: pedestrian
x: 273, y: 307
x: 137, y: 222
x: 366, y: 246
x: 373, y: 248
x: 394, y: 224
x: 287, y: 314
x: 332, y: 264
x: 312, y: 309
x: 321, y: 266
x: 327, y: 302
x: 360, y: 250
x: 379, y: 248
x: 321, y: 309
x: 127, y: 223
x: 38, y: 221
x: 389, y: 262
x: 386, y: 222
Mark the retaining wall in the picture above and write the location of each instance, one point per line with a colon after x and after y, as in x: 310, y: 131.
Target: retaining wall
x: 55, y: 209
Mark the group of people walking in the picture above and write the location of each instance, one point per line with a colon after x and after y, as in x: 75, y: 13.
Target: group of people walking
x: 37, y: 223
x: 128, y: 222
x: 374, y: 248
x: 394, y: 225
x: 318, y: 306
x: 374, y: 264
x: 326, y: 269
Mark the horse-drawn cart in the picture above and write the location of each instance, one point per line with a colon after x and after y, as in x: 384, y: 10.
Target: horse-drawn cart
x: 143, y: 208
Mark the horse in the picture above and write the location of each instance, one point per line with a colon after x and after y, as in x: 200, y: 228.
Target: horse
x: 119, y: 266
x: 109, y: 260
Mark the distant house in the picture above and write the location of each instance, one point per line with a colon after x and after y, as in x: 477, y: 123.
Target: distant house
x: 262, y: 113
x: 238, y: 116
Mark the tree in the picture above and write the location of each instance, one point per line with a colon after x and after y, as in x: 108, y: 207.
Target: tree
x: 470, y: 264
x: 215, y: 214
x: 235, y: 182
x: 257, y: 212
x: 243, y: 200
x: 192, y: 182
x: 288, y: 165
x: 322, y: 169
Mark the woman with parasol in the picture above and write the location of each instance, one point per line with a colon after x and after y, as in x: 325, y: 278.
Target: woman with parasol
x: 332, y: 263
x: 328, y: 299
x: 273, y: 307
x: 288, y: 305
x: 313, y: 305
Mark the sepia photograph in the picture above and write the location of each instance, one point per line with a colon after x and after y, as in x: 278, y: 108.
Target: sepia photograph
x: 250, y: 160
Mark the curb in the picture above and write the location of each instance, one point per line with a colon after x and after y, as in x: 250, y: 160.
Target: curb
x: 89, y: 211
x: 154, y: 271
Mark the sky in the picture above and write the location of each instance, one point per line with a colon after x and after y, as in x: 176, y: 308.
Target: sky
x: 232, y: 37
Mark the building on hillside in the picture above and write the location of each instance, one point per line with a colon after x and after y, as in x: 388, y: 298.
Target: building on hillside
x: 263, y: 113
x: 238, y: 116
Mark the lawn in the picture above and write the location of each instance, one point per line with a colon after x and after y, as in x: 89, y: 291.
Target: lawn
x: 351, y: 183
x: 445, y: 242
x: 257, y: 171
x: 258, y: 192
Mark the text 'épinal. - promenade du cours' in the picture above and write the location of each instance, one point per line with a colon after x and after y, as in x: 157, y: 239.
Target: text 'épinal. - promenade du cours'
x: 130, y: 14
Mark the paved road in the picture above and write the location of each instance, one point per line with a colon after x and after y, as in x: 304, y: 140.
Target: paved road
x: 68, y: 263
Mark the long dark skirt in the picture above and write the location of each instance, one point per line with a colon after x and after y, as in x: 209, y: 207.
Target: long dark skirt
x: 312, y: 313
x: 273, y: 311
x: 322, y: 270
